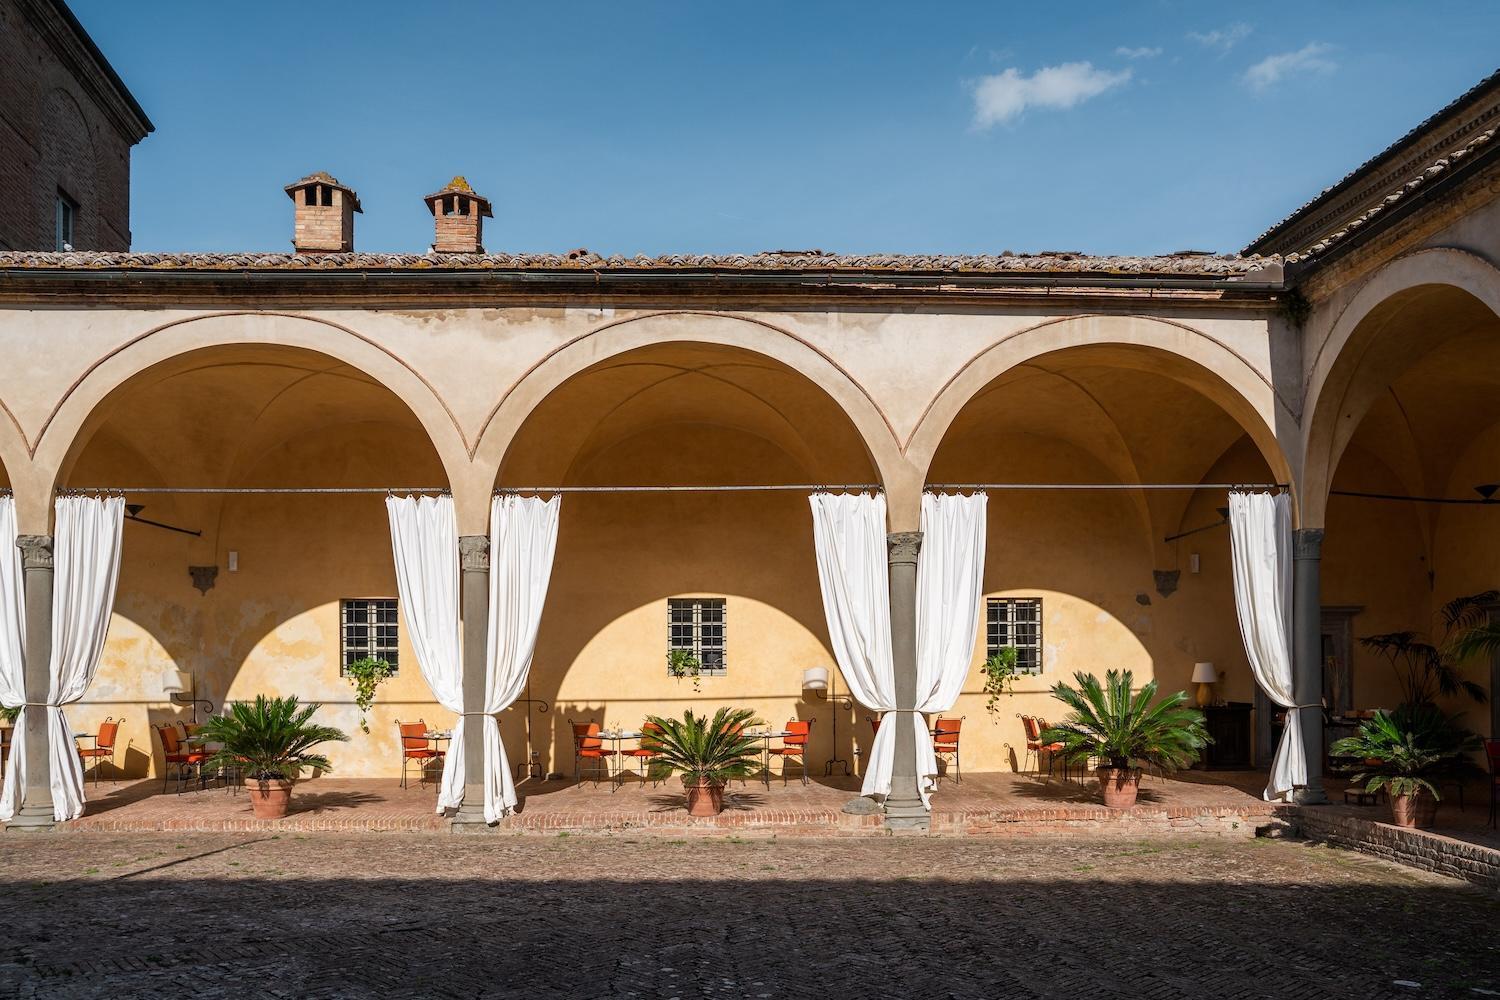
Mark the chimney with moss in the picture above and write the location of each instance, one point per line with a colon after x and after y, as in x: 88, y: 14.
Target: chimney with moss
x: 458, y: 218
x: 324, y: 220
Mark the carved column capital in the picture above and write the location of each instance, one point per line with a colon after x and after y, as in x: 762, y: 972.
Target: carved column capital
x: 474, y: 553
x: 36, y: 551
x: 1307, y: 543
x: 903, y: 546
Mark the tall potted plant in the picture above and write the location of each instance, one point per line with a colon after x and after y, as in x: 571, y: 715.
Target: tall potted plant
x: 271, y: 740
x: 1425, y: 669
x: 1408, y: 752
x: 1121, y: 730
x: 707, y: 753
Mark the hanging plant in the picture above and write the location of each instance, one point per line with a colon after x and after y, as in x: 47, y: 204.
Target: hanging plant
x: 682, y: 663
x: 999, y: 676
x: 365, y: 674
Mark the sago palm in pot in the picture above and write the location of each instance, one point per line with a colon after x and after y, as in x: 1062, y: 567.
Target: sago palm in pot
x: 271, y: 741
x: 1407, y: 753
x: 1123, y: 730
x: 708, y: 753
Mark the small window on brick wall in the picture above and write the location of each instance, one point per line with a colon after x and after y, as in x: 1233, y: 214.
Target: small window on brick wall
x: 1015, y: 621
x: 697, y: 624
x: 67, y: 218
x: 369, y: 629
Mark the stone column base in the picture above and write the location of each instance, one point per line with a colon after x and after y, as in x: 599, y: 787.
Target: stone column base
x: 1310, y: 795
x: 33, y: 819
x: 470, y: 818
x: 901, y: 817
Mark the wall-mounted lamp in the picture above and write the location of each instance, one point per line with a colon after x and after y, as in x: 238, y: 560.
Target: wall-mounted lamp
x: 234, y: 561
x: 181, y: 688
x: 819, y: 681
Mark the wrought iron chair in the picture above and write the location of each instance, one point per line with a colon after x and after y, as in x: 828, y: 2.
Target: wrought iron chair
x: 416, y: 747
x: 645, y: 752
x: 587, y: 745
x: 794, y: 746
x: 189, y: 763
x: 103, y: 750
x: 945, y: 743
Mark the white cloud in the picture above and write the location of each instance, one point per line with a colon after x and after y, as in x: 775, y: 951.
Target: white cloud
x: 1143, y: 52
x: 1311, y: 58
x: 1005, y: 96
x: 1222, y: 39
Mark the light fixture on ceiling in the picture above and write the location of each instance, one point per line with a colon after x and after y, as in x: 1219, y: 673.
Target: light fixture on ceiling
x: 1488, y: 491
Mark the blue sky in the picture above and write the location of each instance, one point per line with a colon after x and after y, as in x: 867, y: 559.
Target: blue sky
x: 706, y: 127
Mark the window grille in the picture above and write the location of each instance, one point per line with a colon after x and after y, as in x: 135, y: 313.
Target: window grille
x: 369, y: 629
x: 1015, y: 621
x: 697, y: 624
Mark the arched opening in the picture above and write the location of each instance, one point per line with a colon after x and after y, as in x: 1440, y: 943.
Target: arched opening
x: 1410, y: 408
x: 257, y: 592
x: 730, y: 574
x: 1108, y: 576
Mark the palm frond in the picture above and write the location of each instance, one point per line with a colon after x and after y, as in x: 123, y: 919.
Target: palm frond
x: 694, y: 746
x: 270, y: 738
x: 1108, y: 722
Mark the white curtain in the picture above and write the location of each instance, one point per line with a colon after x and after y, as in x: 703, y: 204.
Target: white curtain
x: 1260, y: 532
x: 849, y: 538
x: 523, y: 538
x: 424, y: 542
x: 86, y: 567
x: 12, y: 653
x: 950, y: 575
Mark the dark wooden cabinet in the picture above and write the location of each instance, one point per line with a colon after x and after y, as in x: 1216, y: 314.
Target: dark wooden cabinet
x: 1229, y: 727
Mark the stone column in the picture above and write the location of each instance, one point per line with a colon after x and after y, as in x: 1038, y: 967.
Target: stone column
x: 36, y: 569
x: 1307, y: 654
x: 903, y: 808
x: 474, y: 563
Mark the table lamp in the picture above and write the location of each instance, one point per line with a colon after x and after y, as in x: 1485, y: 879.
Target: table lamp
x: 1205, y: 676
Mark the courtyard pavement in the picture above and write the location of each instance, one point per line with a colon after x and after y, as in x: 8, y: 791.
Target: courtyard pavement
x: 383, y: 915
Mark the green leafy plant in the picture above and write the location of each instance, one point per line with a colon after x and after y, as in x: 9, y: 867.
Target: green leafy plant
x: 269, y: 738
x: 682, y: 663
x: 1408, y: 750
x: 1121, y: 729
x: 10, y: 714
x: 716, y: 750
x: 1426, y: 669
x: 999, y: 676
x: 365, y: 674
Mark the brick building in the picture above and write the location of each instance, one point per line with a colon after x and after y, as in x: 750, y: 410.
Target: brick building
x: 67, y: 123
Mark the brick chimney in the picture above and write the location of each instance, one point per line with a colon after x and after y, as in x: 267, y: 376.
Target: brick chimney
x: 324, y: 214
x: 458, y: 218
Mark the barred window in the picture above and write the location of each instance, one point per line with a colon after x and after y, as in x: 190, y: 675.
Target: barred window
x: 369, y: 629
x: 1015, y: 621
x: 697, y: 624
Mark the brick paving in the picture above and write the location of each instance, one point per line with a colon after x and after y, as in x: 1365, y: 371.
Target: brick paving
x: 368, y: 915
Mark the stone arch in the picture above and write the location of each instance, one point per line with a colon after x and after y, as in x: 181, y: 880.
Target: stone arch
x: 1209, y: 365
x: 1403, y: 291
x: 67, y: 427
x: 519, y: 399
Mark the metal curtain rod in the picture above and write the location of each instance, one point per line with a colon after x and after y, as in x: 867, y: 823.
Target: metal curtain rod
x: 1397, y: 496
x: 1106, y: 486
x: 799, y: 488
x: 92, y: 490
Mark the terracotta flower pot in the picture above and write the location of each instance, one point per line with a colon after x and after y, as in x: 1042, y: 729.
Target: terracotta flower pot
x: 269, y: 799
x: 1119, y: 786
x: 704, y: 798
x: 1417, y: 811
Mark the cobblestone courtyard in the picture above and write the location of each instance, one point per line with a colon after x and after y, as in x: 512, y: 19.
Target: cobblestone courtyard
x: 370, y: 915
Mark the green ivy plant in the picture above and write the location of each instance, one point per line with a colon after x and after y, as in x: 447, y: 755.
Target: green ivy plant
x: 365, y: 674
x: 999, y: 676
x: 682, y: 663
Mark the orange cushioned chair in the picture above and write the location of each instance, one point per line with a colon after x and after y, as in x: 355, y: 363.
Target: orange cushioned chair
x: 415, y: 746
x: 103, y: 750
x: 588, y: 746
x: 945, y: 743
x: 174, y: 754
x: 794, y: 745
x: 1035, y: 746
x: 646, y: 750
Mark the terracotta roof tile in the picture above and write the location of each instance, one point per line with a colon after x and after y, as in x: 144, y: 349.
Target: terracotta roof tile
x: 1199, y: 265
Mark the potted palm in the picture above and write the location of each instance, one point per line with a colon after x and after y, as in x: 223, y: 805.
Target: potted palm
x: 1121, y: 730
x: 1407, y: 752
x: 270, y: 740
x: 707, y: 753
